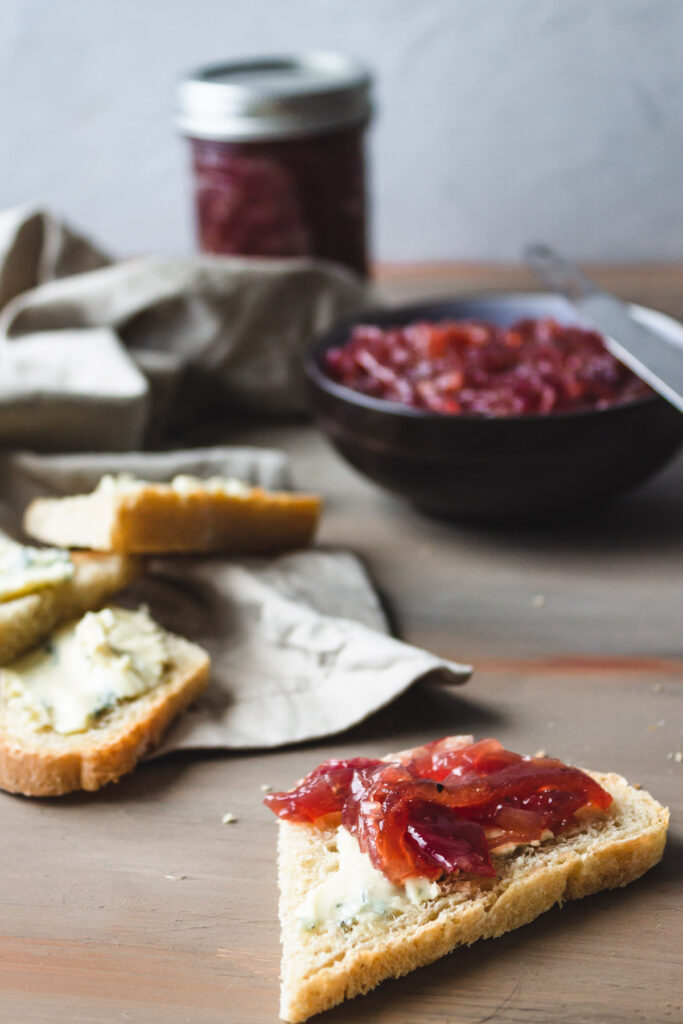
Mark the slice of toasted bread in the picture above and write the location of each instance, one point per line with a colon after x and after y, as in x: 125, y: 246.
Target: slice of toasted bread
x: 26, y: 620
x: 156, y: 519
x: 322, y: 968
x: 47, y: 763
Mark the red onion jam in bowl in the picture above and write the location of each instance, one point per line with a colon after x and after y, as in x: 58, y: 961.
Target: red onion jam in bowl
x: 472, y: 367
x: 492, y: 408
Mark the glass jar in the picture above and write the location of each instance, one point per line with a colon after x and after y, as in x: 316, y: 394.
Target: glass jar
x: 278, y: 156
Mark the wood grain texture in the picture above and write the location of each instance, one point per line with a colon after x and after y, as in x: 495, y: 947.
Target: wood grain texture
x: 137, y: 904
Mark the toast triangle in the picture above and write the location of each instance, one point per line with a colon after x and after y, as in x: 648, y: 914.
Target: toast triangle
x: 320, y: 968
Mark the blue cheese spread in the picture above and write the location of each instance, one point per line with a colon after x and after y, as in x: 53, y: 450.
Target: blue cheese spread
x: 358, y: 891
x: 24, y: 570
x: 87, y: 668
x: 126, y: 483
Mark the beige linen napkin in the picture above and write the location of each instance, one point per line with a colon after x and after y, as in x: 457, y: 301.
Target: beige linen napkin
x: 130, y: 350
x: 299, y: 644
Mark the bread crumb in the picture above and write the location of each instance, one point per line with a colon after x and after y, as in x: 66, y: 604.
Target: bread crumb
x: 538, y: 600
x: 637, y: 785
x: 175, y: 878
x: 228, y: 819
x: 540, y: 753
x: 678, y: 757
x: 265, y: 788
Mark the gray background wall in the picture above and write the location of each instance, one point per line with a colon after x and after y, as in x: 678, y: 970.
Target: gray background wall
x: 498, y: 120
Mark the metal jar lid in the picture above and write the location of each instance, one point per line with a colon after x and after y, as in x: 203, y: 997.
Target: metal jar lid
x: 273, y: 97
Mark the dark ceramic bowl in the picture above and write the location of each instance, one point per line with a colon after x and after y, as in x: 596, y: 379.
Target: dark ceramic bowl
x: 499, y: 469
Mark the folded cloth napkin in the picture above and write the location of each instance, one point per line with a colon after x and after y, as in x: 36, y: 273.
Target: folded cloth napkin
x: 299, y: 643
x: 131, y: 350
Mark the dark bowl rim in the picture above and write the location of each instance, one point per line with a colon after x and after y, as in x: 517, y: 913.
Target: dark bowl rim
x: 324, y: 340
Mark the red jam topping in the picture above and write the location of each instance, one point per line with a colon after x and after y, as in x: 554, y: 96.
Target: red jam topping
x: 284, y: 197
x: 442, y: 808
x: 533, y: 367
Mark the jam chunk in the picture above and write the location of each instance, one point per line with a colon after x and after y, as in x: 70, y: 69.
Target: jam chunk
x: 442, y: 808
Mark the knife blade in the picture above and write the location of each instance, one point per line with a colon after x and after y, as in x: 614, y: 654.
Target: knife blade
x: 651, y: 357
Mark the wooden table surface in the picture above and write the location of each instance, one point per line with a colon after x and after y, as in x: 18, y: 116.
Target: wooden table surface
x: 137, y: 904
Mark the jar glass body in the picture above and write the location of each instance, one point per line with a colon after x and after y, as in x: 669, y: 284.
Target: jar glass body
x: 303, y: 196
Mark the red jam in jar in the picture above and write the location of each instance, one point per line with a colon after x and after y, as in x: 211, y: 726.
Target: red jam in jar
x: 278, y: 156
x: 472, y: 368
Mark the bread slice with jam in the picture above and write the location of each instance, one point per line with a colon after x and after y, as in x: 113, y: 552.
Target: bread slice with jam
x: 326, y: 963
x: 187, y: 515
x: 82, y: 709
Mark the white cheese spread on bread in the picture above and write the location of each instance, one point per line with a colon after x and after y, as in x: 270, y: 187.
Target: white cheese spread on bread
x: 357, y: 890
x: 185, y: 484
x: 87, y: 668
x: 24, y: 570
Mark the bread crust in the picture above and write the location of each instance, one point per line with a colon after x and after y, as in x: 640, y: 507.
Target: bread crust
x: 320, y: 973
x: 103, y: 754
x: 25, y: 621
x: 158, y: 520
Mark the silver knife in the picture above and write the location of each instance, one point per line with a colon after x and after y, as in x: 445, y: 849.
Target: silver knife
x: 654, y: 359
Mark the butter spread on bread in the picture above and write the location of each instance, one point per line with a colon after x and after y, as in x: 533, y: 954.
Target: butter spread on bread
x: 358, y: 890
x: 24, y: 570
x: 184, y: 483
x: 82, y: 710
x: 88, y: 667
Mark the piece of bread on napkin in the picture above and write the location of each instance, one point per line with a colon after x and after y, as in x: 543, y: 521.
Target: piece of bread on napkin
x: 322, y: 968
x: 26, y: 619
x: 184, y: 516
x: 75, y: 730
